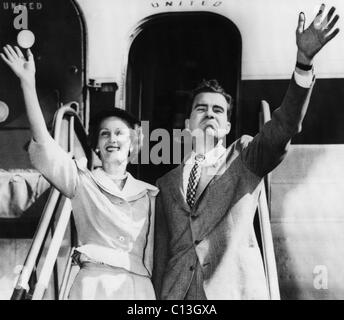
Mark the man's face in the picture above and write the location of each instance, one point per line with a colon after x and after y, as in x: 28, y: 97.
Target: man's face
x: 209, y: 114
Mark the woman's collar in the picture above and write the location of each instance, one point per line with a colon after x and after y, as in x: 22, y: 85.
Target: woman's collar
x: 132, y: 187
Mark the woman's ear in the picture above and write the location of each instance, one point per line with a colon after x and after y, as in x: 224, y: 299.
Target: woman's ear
x: 132, y: 150
x: 187, y: 124
x: 97, y: 152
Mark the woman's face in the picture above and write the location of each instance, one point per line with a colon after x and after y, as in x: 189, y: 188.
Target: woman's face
x: 114, y: 140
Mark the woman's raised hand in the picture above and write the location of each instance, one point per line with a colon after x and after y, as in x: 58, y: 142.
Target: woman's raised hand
x: 23, y: 68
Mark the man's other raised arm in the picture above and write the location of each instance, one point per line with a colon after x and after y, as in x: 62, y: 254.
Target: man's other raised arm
x: 268, y: 147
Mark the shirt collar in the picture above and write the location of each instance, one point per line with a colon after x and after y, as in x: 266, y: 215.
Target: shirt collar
x: 211, y: 157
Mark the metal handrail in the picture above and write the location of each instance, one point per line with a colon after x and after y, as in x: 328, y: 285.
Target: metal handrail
x: 22, y: 286
x: 265, y: 227
x: 49, y: 212
x: 265, y: 116
x: 268, y: 247
x: 266, y: 112
x: 43, y: 281
x: 66, y: 277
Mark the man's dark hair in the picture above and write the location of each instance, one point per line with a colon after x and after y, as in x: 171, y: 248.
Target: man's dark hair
x: 95, y: 122
x: 211, y: 86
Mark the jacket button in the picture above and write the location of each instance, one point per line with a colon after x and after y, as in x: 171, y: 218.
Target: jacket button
x: 121, y: 238
x: 192, y: 268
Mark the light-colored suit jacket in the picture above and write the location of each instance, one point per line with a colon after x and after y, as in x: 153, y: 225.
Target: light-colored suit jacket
x: 218, y: 231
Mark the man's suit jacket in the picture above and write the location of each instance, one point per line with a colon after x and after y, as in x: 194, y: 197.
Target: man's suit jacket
x: 218, y: 230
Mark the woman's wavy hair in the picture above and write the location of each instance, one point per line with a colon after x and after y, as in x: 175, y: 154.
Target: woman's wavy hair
x: 136, y: 135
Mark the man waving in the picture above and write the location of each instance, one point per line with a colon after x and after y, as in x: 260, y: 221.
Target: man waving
x: 205, y: 245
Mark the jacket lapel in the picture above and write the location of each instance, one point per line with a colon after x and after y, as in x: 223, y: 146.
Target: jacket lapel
x: 209, y: 173
x: 176, y: 186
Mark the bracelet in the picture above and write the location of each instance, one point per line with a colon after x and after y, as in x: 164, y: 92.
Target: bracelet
x: 305, y: 67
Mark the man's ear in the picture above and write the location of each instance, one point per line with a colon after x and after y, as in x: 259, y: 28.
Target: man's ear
x: 228, y: 127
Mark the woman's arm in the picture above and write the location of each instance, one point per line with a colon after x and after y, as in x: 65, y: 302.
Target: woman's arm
x: 25, y: 70
x: 45, y: 154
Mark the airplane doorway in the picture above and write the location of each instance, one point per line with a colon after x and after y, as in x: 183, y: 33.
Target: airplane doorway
x: 167, y: 59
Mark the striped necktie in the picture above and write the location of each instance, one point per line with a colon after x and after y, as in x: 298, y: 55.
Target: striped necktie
x: 194, y: 177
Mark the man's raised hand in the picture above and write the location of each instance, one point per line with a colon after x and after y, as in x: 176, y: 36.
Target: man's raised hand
x: 23, y: 68
x: 311, y: 40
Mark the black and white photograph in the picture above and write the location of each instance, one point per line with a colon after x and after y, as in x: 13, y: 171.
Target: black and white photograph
x: 185, y: 150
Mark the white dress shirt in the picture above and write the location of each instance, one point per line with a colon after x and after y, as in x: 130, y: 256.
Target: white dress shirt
x: 210, y: 159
